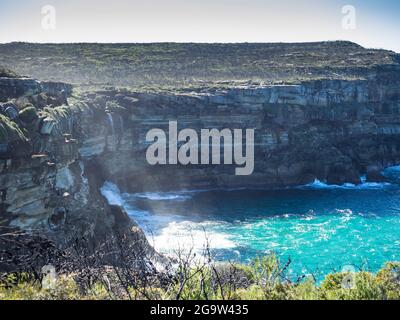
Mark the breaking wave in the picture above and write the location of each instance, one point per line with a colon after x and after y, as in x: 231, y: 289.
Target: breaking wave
x: 168, y: 233
x: 112, y: 193
x: 176, y: 196
x: 317, y: 184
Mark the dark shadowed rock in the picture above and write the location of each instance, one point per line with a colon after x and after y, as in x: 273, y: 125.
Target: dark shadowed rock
x: 375, y: 175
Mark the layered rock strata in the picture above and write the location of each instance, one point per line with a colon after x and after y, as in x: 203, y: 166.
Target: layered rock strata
x: 52, y: 168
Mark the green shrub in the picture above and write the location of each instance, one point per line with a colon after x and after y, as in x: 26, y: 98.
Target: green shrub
x: 28, y: 114
x: 7, y: 73
x: 264, y: 282
x: 112, y: 106
x: 389, y: 278
x: 63, y: 112
x: 10, y: 131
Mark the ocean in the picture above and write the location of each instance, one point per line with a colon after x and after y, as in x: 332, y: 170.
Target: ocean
x: 320, y: 228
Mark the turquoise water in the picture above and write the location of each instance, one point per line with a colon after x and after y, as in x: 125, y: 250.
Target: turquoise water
x: 320, y: 228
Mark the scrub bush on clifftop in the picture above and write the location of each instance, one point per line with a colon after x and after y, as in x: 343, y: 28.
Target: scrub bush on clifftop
x: 28, y: 114
x: 206, y: 282
x: 10, y: 131
x: 83, y: 273
x: 201, y: 285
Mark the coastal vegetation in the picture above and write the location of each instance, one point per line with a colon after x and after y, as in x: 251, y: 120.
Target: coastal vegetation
x: 117, y: 271
x: 10, y: 131
x: 260, y: 280
x: 180, y: 64
x: 7, y: 73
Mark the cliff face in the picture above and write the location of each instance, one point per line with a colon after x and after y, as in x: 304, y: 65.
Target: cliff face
x: 54, y: 159
x: 47, y: 186
x: 331, y: 130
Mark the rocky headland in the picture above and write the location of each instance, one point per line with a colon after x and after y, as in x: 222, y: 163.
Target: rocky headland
x: 58, y: 145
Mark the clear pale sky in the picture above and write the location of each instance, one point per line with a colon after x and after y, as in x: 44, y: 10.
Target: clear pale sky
x: 378, y: 22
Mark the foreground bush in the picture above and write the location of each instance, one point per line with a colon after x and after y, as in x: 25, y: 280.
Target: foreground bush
x: 36, y: 269
x: 261, y: 280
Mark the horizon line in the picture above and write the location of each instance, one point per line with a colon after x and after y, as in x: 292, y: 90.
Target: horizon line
x: 199, y: 42
x: 195, y: 42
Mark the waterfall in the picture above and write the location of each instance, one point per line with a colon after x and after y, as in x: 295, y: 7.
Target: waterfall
x: 111, y: 122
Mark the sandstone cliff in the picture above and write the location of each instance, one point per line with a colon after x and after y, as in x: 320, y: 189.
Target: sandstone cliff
x: 47, y: 186
x: 55, y: 157
x: 331, y: 130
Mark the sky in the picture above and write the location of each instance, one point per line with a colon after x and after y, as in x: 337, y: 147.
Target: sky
x: 377, y: 23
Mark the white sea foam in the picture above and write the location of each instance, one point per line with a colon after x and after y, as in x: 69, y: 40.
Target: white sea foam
x: 178, y: 196
x: 168, y: 233
x: 187, y: 235
x: 317, y: 184
x: 112, y: 193
x: 394, y: 169
x: 345, y: 212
